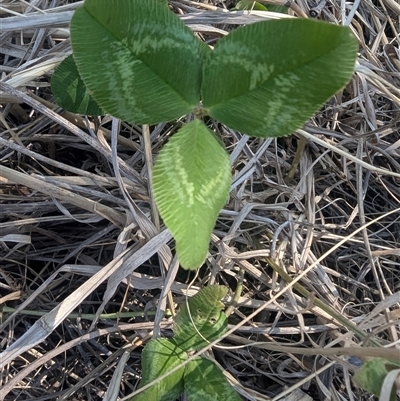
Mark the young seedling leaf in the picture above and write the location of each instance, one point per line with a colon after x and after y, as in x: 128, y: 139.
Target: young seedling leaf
x: 201, y: 320
x: 273, y: 75
x: 371, y: 376
x: 191, y: 181
x: 158, y: 357
x: 138, y: 60
x: 204, y: 381
x: 70, y: 92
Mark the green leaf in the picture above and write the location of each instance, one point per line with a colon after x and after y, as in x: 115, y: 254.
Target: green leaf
x: 70, y: 92
x: 277, y: 9
x: 138, y: 60
x: 205, y: 382
x: 273, y: 75
x: 191, y: 182
x: 250, y: 5
x: 205, y: 310
x: 255, y: 5
x: 158, y: 357
x: 371, y: 376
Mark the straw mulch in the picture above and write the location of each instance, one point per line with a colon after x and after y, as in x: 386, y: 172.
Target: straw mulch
x: 88, y: 273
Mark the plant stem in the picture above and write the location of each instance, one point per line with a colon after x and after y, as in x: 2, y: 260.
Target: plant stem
x: 300, y: 149
x: 238, y: 292
x: 317, y: 302
x: 88, y: 316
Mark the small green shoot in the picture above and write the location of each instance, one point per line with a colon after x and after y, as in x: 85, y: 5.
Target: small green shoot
x: 199, y: 322
x: 372, y: 374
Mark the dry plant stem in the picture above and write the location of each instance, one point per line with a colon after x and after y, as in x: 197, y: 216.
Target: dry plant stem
x: 15, y: 137
x: 360, y: 201
x: 42, y: 328
x: 332, y: 312
x: 74, y: 199
x: 238, y: 293
x: 36, y: 20
x: 283, y: 3
x: 392, y: 4
x: 134, y: 176
x: 104, y: 366
x: 88, y: 316
x: 323, y: 209
x: 286, y: 3
x: 361, y: 352
x: 391, y: 381
x: 149, y: 166
x: 200, y: 5
x: 148, y: 227
x: 300, y: 383
x: 390, y: 90
x: 347, y: 155
x: 300, y: 149
x: 63, y: 18
x: 166, y: 295
x: 32, y: 296
x: 12, y: 296
x: 156, y: 220
x: 67, y: 346
x: 94, y: 179
x: 82, y: 123
x: 113, y: 388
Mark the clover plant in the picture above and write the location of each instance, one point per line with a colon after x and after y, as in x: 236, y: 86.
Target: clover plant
x: 199, y: 321
x: 139, y: 62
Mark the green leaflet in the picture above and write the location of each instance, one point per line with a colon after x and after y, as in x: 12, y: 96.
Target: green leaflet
x: 372, y: 374
x: 191, y: 182
x: 277, y: 9
x: 158, y: 357
x: 206, y: 311
x: 272, y: 76
x: 70, y: 92
x: 205, y: 382
x: 255, y: 5
x: 250, y: 5
x: 129, y: 53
